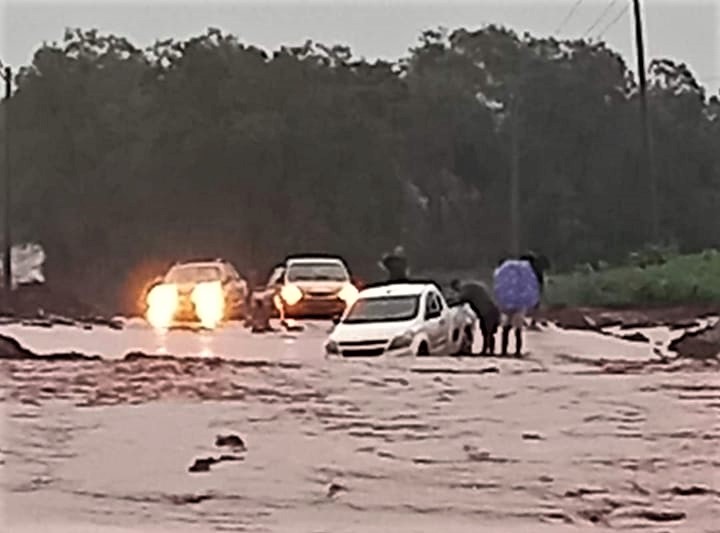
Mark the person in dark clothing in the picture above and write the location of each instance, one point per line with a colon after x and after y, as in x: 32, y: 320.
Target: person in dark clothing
x: 396, y: 265
x: 539, y: 264
x: 476, y: 295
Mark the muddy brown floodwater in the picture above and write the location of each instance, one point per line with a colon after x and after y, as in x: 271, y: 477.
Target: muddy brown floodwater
x: 587, y: 433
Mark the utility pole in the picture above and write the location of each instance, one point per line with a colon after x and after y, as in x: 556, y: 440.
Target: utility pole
x: 7, y: 263
x: 648, y: 166
x: 514, y: 176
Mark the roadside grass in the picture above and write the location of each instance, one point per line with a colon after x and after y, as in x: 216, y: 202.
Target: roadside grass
x: 672, y: 280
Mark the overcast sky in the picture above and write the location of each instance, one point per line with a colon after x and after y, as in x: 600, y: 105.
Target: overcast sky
x: 684, y: 30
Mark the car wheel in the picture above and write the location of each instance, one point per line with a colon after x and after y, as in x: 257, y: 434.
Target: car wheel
x: 423, y: 349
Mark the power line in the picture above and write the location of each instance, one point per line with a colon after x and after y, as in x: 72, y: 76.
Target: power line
x: 605, y: 11
x: 567, y: 18
x: 613, y: 21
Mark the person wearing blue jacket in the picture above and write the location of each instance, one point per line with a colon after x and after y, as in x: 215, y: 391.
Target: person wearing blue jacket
x: 516, y: 288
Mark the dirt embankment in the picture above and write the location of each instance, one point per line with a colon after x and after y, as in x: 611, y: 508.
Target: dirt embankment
x: 696, y: 342
x: 595, y: 318
x: 701, y: 344
x: 44, y: 305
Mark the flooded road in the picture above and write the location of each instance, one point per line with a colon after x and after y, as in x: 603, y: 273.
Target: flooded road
x: 584, y: 434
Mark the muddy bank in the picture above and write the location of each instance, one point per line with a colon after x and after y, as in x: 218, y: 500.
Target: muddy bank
x: 42, y: 305
x: 702, y: 344
x: 593, y: 318
x: 12, y: 350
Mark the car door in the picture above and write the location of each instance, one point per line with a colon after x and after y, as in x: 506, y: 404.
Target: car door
x: 435, y: 323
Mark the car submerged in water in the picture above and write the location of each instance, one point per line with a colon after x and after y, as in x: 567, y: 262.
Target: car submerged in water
x: 312, y: 287
x: 197, y: 292
x: 399, y: 319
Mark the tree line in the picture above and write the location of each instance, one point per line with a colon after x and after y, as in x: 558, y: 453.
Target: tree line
x: 124, y: 158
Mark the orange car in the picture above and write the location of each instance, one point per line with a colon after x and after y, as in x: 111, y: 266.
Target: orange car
x: 312, y: 287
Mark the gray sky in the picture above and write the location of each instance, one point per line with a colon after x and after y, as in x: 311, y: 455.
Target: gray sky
x: 684, y: 30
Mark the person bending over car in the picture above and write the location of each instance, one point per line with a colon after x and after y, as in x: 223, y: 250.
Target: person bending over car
x: 476, y: 295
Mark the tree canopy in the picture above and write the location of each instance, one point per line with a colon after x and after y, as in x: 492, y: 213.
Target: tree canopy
x: 125, y: 157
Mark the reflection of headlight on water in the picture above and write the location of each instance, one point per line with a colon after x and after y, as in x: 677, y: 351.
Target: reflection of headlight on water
x: 209, y: 301
x: 162, y: 302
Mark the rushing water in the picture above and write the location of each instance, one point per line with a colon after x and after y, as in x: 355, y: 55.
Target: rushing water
x: 583, y: 434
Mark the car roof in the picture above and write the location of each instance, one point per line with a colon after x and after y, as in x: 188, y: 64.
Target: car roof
x: 216, y: 264
x: 396, y: 289
x: 315, y: 259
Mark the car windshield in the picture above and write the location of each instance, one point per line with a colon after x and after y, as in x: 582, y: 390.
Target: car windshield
x: 317, y: 272
x: 383, y: 309
x: 193, y: 274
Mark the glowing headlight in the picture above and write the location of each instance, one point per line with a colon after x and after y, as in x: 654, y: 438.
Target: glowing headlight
x: 209, y: 300
x: 401, y: 341
x: 348, y: 294
x: 291, y: 294
x: 162, y: 301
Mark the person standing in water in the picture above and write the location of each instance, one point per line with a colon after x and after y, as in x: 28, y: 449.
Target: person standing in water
x: 396, y: 265
x: 517, y: 290
x: 539, y: 264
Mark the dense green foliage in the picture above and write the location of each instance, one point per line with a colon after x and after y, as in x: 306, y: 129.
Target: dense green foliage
x: 680, y: 279
x: 125, y: 157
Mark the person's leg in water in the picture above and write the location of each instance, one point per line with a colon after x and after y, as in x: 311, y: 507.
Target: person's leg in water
x: 488, y: 327
x: 492, y: 319
x: 512, y: 322
x: 518, y: 342
x: 491, y: 340
x: 518, y: 321
x: 281, y: 308
x: 483, y: 330
x: 504, y: 340
x: 505, y: 333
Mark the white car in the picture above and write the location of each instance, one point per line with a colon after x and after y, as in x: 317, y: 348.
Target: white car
x: 402, y: 319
